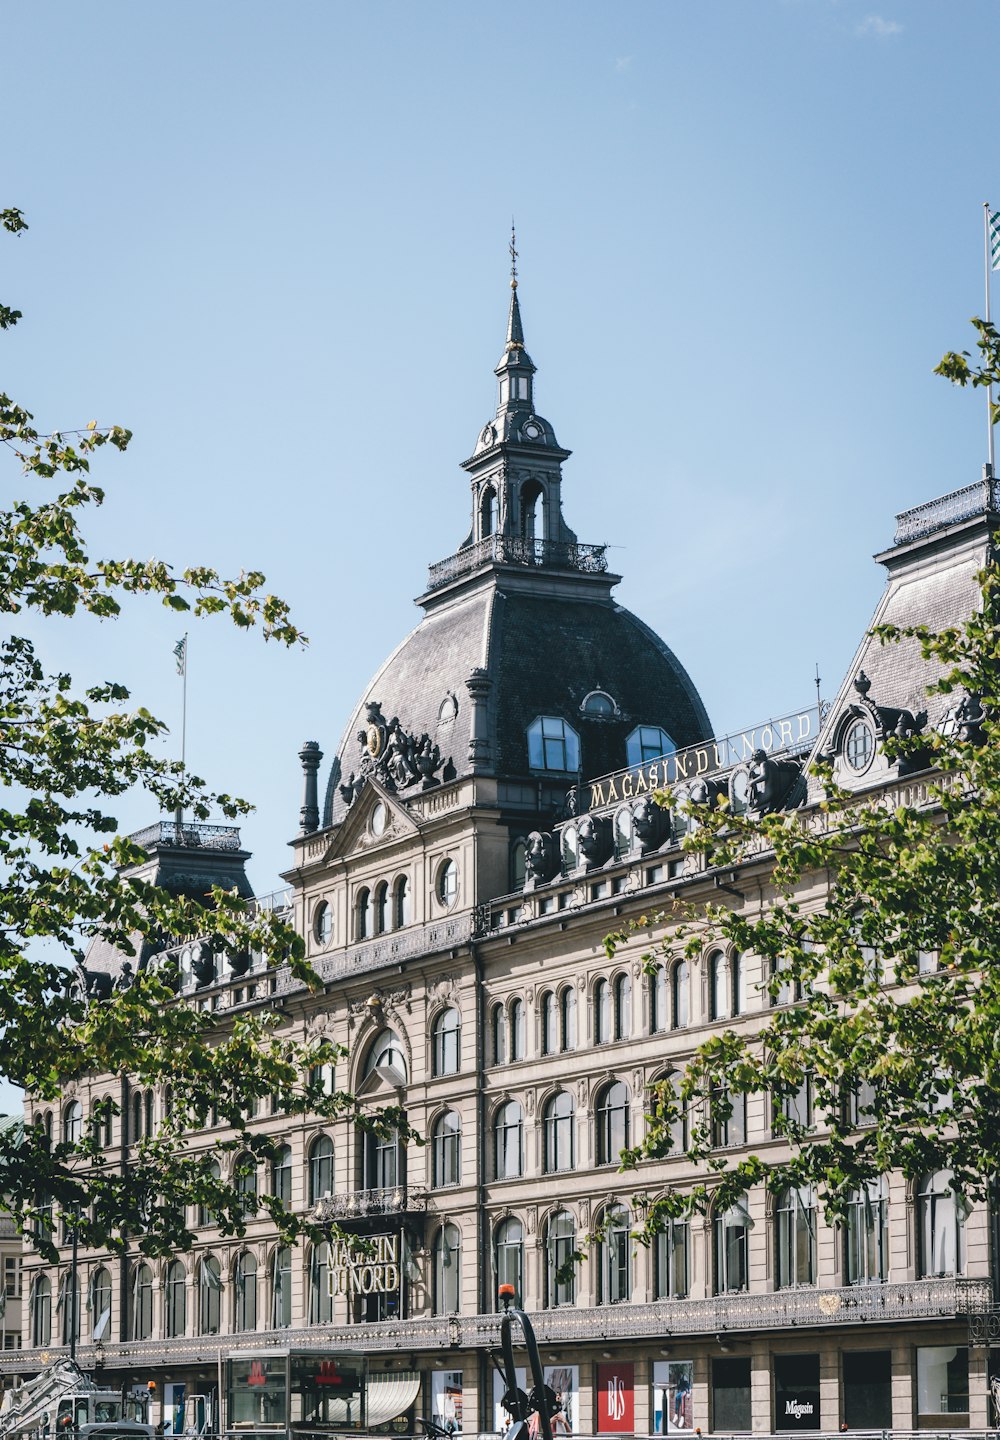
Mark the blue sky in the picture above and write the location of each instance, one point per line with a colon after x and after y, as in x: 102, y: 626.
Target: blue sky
x: 271, y: 240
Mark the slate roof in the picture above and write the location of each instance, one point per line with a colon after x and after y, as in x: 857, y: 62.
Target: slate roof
x: 543, y: 653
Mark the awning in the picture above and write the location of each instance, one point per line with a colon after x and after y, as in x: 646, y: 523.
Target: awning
x: 389, y: 1395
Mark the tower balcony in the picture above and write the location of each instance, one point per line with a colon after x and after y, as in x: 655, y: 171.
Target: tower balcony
x: 513, y: 550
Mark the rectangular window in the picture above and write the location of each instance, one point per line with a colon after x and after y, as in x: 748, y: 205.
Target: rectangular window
x: 868, y: 1389
x: 942, y: 1382
x: 11, y: 1276
x: 731, y: 1395
x: 796, y: 1392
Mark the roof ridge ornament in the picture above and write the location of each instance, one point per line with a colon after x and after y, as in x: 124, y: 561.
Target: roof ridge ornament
x: 512, y: 247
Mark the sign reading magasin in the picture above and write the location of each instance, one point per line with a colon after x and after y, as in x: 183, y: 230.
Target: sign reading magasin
x: 368, y: 1269
x: 792, y: 732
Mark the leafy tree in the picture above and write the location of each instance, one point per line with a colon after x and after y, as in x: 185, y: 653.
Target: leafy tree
x: 896, y: 1027
x: 65, y: 753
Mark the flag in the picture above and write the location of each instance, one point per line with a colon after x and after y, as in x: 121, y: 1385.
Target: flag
x: 181, y: 655
x: 995, y: 240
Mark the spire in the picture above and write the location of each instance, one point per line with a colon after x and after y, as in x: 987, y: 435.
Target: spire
x: 514, y: 368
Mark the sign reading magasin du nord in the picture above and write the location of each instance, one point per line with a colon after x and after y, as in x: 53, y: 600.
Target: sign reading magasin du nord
x: 774, y: 737
x: 369, y: 1269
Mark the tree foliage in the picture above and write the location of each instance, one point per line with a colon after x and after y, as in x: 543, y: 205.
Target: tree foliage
x: 884, y: 994
x: 66, y: 752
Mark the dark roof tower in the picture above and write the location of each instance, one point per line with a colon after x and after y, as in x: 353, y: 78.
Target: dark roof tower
x: 519, y: 624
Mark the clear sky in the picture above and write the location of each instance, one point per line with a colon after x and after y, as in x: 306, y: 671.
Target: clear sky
x: 271, y: 240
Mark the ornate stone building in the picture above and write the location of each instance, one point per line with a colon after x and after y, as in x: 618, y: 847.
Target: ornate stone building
x: 485, y: 821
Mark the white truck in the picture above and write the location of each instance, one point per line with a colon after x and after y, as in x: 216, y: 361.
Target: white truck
x: 64, y: 1402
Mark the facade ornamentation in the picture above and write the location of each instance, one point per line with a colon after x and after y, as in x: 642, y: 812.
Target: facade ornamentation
x: 396, y: 758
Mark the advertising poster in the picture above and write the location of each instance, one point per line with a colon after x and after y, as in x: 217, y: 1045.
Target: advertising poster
x: 616, y: 1398
x: 673, y: 1382
x: 564, y: 1380
x: 446, y: 1400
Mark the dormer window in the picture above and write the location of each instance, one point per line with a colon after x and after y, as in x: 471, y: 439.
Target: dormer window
x: 598, y: 705
x: 553, y: 745
x: 647, y: 742
x: 859, y: 746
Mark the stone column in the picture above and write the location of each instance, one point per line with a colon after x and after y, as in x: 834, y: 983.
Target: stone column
x: 311, y: 756
x: 479, y: 686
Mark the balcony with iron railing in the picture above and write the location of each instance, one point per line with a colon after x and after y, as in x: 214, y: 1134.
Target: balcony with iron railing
x: 186, y: 835
x: 981, y: 498
x: 933, y: 1300
x: 513, y: 550
x: 361, y: 1204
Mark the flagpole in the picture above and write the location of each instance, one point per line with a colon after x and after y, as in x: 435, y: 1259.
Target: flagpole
x: 181, y: 651
x: 989, y: 389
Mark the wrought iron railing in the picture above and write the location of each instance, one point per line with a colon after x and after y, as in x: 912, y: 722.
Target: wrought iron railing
x: 938, y: 1299
x: 977, y: 499
x: 512, y: 550
x: 398, y: 1200
x: 188, y: 836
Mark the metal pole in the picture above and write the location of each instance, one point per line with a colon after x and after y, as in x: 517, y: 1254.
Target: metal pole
x: 74, y: 1294
x: 989, y: 388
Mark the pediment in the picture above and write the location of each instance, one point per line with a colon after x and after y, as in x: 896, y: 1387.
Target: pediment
x: 358, y: 830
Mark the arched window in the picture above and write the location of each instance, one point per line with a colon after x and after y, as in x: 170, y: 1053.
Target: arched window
x: 518, y: 1030
x: 560, y: 1268
x: 147, y: 1105
x: 499, y: 1033
x: 447, y: 884
x: 623, y: 1007
x: 940, y: 1226
x: 731, y: 1237
x: 558, y: 1125
x: 729, y: 1118
x: 570, y: 849
x: 612, y: 1119
x: 175, y: 1314
x: 508, y: 1257
x: 567, y: 1018
x: 206, y: 1215
x: 41, y: 1311
x: 553, y: 745
x: 381, y: 907
x: 659, y: 1008
x: 281, y: 1175
x: 245, y: 1183
x: 99, y: 1304
x: 136, y: 1117
x: 73, y: 1123
x: 323, y: 923
x: 719, y: 1005
x: 679, y: 984
x: 614, y: 1259
x: 447, y: 1255
x: 602, y: 1012
x: 245, y: 1292
x: 446, y: 1151
x: 866, y: 1234
x: 320, y: 1169
x: 320, y: 1294
x: 281, y: 1288
x: 518, y: 864
x: 532, y: 512
x: 106, y: 1123
x: 508, y: 1141
x: 738, y: 984
x: 679, y: 1123
x: 446, y: 1040
x: 401, y: 902
x: 624, y: 832
x: 209, y: 1296
x: 794, y: 1109
x: 672, y: 1261
x: 795, y: 1238
x: 386, y: 1059
x: 549, y: 1011
x: 646, y: 743
x: 599, y: 704
x: 70, y: 1302
x: 489, y: 512
x: 363, y: 914
x: 141, y: 1306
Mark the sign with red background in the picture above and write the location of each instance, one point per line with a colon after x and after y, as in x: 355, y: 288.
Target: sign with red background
x: 616, y: 1398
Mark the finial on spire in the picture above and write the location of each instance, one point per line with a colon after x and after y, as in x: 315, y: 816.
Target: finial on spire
x: 512, y: 247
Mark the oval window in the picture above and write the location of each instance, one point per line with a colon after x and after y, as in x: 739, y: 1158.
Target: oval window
x: 323, y: 923
x: 447, y: 885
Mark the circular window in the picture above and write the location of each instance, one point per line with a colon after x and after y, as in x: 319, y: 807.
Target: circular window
x: 447, y: 885
x: 380, y: 818
x: 323, y: 923
x: 599, y: 703
x: 859, y: 746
